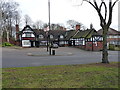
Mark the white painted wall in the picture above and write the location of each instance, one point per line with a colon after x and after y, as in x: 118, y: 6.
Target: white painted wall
x: 26, y: 43
x: 24, y: 35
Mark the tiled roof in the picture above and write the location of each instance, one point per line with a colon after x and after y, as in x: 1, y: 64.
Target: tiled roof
x: 93, y: 32
x: 38, y: 32
x: 111, y: 31
x: 67, y: 34
x: 86, y: 33
x: 70, y: 34
x: 27, y: 26
x: 56, y: 33
x: 79, y: 34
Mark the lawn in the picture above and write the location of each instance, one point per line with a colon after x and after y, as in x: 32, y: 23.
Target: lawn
x: 95, y: 75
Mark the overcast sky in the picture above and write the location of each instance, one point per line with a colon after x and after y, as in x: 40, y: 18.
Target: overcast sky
x: 63, y: 10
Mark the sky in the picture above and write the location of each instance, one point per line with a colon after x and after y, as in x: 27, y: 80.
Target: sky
x: 64, y: 10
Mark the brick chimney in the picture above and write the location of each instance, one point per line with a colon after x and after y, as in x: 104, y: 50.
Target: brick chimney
x: 61, y: 28
x: 65, y: 29
x: 77, y: 27
x: 17, y: 35
x: 17, y: 31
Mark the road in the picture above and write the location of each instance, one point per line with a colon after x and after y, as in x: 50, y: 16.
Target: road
x: 20, y: 57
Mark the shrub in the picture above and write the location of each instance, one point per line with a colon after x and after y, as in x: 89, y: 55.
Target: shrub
x: 114, y: 47
x: 6, y: 44
x: 117, y: 48
x: 111, y: 47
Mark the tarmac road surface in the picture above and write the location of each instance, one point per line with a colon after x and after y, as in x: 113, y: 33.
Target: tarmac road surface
x: 26, y: 57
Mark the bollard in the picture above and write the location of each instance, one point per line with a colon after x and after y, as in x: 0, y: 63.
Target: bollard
x: 53, y: 52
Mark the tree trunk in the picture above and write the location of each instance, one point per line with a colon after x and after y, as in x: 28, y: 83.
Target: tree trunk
x: 1, y: 33
x: 8, y: 39
x: 105, y: 51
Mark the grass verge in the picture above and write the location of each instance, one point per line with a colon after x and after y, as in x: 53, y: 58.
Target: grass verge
x: 96, y: 75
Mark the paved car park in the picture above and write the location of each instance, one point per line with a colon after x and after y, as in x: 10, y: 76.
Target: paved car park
x: 26, y: 57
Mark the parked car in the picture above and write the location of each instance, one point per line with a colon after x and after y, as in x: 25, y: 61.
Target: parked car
x: 54, y: 45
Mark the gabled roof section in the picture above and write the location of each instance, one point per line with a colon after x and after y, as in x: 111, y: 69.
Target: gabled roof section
x: 36, y: 31
x: 78, y: 35
x: 56, y: 33
x: 86, y: 33
x: 70, y: 34
x: 92, y: 33
x: 111, y: 31
x: 82, y: 34
x: 39, y: 31
x: 27, y: 26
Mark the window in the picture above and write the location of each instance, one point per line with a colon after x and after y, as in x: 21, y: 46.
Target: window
x: 116, y: 36
x: 26, y: 43
x: 112, y: 42
x: 51, y: 36
x: 28, y: 35
x: 61, y: 36
x: 41, y: 36
x: 27, y: 30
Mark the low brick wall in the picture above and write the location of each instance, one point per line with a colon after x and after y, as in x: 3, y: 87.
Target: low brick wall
x: 95, y: 46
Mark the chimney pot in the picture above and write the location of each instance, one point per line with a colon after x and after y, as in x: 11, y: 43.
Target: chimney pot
x: 77, y: 27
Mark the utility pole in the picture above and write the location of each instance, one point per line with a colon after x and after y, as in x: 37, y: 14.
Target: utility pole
x: 49, y: 12
x: 47, y: 39
x: 49, y: 26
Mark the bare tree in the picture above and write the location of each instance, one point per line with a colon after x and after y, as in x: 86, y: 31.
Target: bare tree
x: 45, y: 25
x: 8, y: 8
x: 119, y: 16
x: 53, y: 26
x: 72, y: 24
x: 27, y: 19
x: 105, y: 20
x: 1, y: 21
x: 39, y: 24
x: 17, y: 18
x: 58, y: 26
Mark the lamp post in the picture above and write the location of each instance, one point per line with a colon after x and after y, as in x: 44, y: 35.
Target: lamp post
x: 49, y: 26
x: 49, y: 12
x: 47, y: 39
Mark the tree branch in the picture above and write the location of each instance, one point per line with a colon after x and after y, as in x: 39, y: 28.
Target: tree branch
x: 110, y: 14
x: 114, y: 3
x: 90, y: 3
x: 100, y: 6
x: 96, y: 4
x: 105, y: 10
x: 102, y: 20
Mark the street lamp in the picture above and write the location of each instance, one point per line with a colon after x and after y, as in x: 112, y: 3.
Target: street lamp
x: 49, y: 27
x: 47, y: 39
x: 49, y: 12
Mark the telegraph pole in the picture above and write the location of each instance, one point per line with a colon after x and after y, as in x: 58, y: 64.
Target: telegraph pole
x: 49, y: 26
x: 49, y: 12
